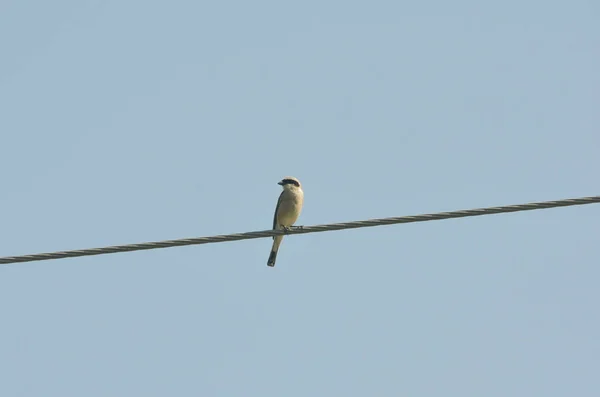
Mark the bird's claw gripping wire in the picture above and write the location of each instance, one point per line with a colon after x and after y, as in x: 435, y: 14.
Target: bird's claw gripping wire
x: 287, y: 229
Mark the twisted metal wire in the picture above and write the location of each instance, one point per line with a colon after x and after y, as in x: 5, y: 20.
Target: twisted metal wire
x: 301, y: 230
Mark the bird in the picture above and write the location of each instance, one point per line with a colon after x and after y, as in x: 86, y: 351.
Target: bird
x: 287, y: 211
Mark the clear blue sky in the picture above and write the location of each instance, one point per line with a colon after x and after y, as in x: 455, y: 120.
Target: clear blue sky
x: 130, y: 121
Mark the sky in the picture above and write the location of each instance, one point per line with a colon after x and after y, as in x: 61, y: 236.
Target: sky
x: 132, y: 121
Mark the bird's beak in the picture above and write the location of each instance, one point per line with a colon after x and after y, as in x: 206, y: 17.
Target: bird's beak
x: 280, y: 183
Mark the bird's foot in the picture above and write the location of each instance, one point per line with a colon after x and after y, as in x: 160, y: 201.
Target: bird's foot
x: 287, y: 229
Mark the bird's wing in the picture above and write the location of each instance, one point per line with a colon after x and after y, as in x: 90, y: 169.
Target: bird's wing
x: 277, y: 209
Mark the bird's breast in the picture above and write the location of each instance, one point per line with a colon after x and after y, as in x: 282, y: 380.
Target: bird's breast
x: 289, y: 209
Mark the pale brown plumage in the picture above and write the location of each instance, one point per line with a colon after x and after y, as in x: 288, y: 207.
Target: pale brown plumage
x: 287, y: 211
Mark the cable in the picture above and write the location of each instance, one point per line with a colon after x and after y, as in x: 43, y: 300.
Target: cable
x: 301, y: 230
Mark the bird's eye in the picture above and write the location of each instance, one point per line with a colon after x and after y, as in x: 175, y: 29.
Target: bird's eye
x: 290, y: 182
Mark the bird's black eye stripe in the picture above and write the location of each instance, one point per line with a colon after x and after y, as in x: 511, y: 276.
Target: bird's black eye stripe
x: 290, y: 182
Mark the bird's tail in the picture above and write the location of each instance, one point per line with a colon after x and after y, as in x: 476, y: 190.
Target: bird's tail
x: 272, y: 257
x: 274, y: 249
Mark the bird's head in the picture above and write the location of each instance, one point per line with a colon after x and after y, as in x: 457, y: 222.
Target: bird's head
x: 289, y: 182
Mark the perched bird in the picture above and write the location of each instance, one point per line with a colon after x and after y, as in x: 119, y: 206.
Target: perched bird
x: 287, y: 211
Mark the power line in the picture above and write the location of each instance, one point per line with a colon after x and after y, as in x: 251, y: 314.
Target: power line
x: 302, y: 230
